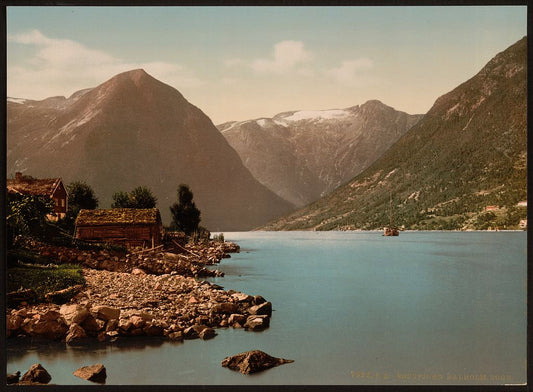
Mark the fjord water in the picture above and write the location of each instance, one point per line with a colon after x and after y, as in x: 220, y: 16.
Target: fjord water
x: 349, y: 308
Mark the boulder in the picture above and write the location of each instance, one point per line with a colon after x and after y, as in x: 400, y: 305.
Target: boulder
x: 91, y: 325
x: 138, y: 271
x: 75, y: 334
x: 241, y: 297
x: 190, y: 333
x: 225, y: 308
x: 264, y: 308
x: 257, y: 323
x: 13, y: 322
x: 112, y: 325
x: 74, y: 313
x: 237, y: 318
x: 106, y: 313
x: 124, y: 325
x: 96, y: 373
x: 253, y: 361
x: 36, y: 374
x: 152, y: 329
x: 207, y: 333
x: 48, y: 325
x: 176, y: 336
x: 258, y: 300
x: 137, y: 322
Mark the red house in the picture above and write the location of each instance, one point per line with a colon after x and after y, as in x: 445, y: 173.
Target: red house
x: 49, y: 187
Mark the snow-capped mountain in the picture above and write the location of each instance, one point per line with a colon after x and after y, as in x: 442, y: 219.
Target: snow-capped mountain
x: 134, y: 130
x: 303, y: 155
x: 463, y: 166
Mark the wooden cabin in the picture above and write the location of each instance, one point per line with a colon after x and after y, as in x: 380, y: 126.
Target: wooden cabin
x: 125, y: 226
x: 49, y: 187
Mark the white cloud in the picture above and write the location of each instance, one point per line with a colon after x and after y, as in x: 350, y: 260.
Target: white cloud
x: 235, y: 62
x: 288, y: 55
x: 351, y: 71
x: 62, y: 66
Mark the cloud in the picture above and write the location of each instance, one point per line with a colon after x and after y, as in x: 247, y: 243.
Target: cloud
x: 351, y: 71
x: 235, y: 62
x: 62, y: 66
x: 288, y: 55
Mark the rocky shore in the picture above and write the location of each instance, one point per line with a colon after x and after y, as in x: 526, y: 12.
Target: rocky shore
x: 151, y: 293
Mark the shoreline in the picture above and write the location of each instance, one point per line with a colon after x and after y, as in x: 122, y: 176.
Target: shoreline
x: 157, y: 294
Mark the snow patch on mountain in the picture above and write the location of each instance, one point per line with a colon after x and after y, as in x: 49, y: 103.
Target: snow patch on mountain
x: 282, y: 123
x: 333, y: 114
x: 16, y: 100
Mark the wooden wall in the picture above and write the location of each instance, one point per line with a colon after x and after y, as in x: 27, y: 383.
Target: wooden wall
x: 129, y: 235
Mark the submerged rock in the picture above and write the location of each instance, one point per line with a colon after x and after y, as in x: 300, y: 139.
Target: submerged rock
x: 253, y: 361
x: 96, y: 373
x: 36, y: 374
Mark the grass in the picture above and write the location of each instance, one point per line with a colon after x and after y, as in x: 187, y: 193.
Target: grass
x: 43, y: 280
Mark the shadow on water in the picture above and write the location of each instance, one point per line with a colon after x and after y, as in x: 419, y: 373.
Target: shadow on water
x: 20, y: 348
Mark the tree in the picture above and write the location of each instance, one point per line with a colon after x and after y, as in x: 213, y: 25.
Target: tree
x: 140, y: 197
x: 80, y: 197
x: 121, y: 200
x: 185, y: 215
x: 26, y: 215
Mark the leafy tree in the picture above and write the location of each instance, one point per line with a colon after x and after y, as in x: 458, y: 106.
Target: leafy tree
x: 80, y: 197
x: 121, y: 200
x: 185, y: 215
x: 140, y: 197
x: 26, y: 215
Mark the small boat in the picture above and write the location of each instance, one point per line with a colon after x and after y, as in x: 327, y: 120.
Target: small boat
x: 390, y: 230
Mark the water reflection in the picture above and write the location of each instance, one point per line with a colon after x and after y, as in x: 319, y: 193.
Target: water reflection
x: 20, y: 348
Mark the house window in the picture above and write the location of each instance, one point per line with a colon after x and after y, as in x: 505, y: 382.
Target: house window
x: 62, y: 202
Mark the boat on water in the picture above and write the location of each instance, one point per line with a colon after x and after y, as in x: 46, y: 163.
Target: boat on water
x: 390, y: 230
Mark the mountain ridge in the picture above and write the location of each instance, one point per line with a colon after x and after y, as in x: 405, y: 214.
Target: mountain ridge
x: 134, y: 130
x: 304, y: 154
x: 467, y: 154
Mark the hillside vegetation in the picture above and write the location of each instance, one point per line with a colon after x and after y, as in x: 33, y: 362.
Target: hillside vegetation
x: 469, y: 152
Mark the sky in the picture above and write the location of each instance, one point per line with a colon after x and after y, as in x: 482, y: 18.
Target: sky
x: 239, y: 63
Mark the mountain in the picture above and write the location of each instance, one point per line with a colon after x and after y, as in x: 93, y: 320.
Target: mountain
x: 303, y: 155
x: 463, y: 166
x: 135, y: 130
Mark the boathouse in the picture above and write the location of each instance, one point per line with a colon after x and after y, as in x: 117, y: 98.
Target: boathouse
x: 124, y: 226
x: 49, y: 187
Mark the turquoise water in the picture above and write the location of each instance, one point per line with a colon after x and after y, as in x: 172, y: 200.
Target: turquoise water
x: 349, y: 308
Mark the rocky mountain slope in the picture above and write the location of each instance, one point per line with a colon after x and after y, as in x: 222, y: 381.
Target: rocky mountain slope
x: 303, y: 155
x: 135, y: 130
x: 462, y: 166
